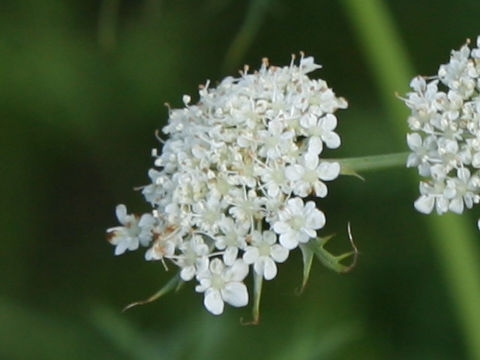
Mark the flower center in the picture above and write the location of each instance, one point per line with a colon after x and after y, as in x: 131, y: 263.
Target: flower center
x: 217, y: 282
x: 133, y: 229
x: 310, y: 176
x: 297, y: 222
x: 264, y: 249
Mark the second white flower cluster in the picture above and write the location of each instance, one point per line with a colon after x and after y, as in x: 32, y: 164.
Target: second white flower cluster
x: 229, y: 191
x: 445, y: 137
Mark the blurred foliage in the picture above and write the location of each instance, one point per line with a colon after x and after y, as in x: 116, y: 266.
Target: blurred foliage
x: 83, y: 86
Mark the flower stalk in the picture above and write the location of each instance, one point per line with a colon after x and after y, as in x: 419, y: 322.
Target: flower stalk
x: 355, y: 165
x: 257, y: 294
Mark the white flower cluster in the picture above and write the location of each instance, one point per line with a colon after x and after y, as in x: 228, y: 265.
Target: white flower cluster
x: 229, y: 189
x: 445, y: 137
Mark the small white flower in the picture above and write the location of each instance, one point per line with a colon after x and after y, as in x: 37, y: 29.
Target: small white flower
x: 194, y: 257
x: 246, y: 207
x: 297, y: 223
x: 264, y: 252
x: 157, y: 190
x: 274, y: 179
x: 223, y: 284
x: 423, y: 152
x: 462, y: 190
x: 232, y: 239
x: 307, y: 175
x: 276, y: 141
x: 432, y: 196
x: 163, y: 247
x: 207, y: 214
x: 134, y: 232
x: 321, y: 128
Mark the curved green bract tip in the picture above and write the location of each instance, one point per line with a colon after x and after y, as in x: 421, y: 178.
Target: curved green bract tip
x: 174, y: 284
x: 331, y: 261
x: 307, y: 256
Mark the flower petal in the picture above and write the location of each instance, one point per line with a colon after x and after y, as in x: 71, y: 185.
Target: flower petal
x: 425, y: 204
x: 328, y: 170
x: 280, y: 227
x: 238, y: 271
x: 315, y: 219
x: 235, y: 294
x: 269, y: 237
x: 216, y: 266
x: 315, y: 145
x: 213, y: 301
x: 311, y: 160
x: 250, y: 255
x: 230, y: 255
x: 289, y: 239
x: 269, y: 269
x: 329, y: 122
x: 279, y: 253
x: 294, y: 172
x: 187, y: 273
x: 121, y: 213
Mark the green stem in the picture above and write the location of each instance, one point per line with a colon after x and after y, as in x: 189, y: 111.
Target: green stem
x: 351, y: 166
x: 455, y: 241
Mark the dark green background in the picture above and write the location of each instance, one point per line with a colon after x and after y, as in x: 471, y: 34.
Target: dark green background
x: 82, y: 90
